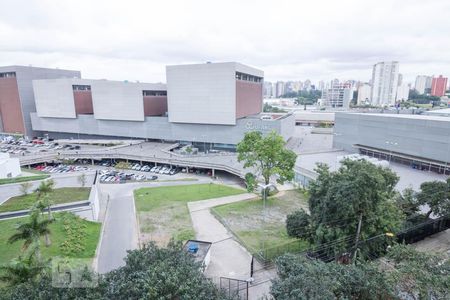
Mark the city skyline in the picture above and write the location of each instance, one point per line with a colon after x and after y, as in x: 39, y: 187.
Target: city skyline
x: 289, y: 40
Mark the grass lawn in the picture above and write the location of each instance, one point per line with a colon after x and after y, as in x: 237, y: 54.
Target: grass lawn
x: 23, y: 178
x: 245, y: 219
x: 88, y: 239
x: 58, y: 196
x: 163, y: 212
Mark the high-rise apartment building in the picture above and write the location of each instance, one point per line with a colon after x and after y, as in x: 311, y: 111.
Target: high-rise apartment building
x: 421, y: 83
x: 438, y: 86
x: 402, y: 92
x: 339, y: 95
x: 364, y: 94
x: 279, y: 91
x: 384, y: 83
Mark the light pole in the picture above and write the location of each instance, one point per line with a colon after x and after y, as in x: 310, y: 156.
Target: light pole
x: 264, y: 188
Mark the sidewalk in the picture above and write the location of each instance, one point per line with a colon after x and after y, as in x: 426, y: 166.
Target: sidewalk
x: 228, y: 257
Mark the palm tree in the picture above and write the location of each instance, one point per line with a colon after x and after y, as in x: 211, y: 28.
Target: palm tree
x: 43, y: 191
x: 31, y: 232
x: 21, y: 269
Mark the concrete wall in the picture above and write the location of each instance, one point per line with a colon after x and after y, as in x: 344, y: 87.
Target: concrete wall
x: 161, y: 128
x: 422, y: 136
x: 83, y: 102
x: 155, y: 105
x: 10, y: 108
x: 24, y: 76
x: 249, y: 98
x: 54, y: 98
x: 202, y: 94
x: 207, y: 94
x: 107, y: 100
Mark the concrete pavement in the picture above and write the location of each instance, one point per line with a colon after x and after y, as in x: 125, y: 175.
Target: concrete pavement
x: 228, y: 257
x: 61, y: 180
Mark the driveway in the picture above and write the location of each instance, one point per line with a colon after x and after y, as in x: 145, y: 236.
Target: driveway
x: 120, y: 229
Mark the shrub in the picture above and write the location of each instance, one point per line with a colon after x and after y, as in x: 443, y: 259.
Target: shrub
x: 298, y: 224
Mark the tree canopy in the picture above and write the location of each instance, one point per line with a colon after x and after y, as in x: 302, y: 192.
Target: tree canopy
x: 405, y: 272
x: 358, y: 190
x: 149, y: 273
x: 435, y: 194
x: 267, y: 156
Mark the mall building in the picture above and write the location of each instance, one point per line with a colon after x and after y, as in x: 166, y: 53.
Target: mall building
x: 211, y: 105
x: 420, y: 141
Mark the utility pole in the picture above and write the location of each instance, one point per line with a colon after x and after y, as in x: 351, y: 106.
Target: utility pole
x: 357, y: 236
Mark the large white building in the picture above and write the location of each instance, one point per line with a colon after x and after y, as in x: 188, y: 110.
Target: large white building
x: 339, y: 95
x: 384, y: 83
x: 210, y: 105
x: 364, y: 93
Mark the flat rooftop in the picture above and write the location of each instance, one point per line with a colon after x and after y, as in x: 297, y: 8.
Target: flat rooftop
x: 407, y: 116
x: 409, y: 177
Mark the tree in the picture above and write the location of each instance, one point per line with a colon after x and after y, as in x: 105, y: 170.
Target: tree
x: 298, y: 224
x: 419, y: 275
x: 301, y: 278
x: 82, y: 179
x: 408, y: 203
x: 267, y: 156
x: 149, y: 273
x: 403, y: 274
x: 21, y: 269
x: 435, y: 194
x: 177, y: 274
x: 25, y: 187
x: 352, y: 204
x: 45, y: 188
x: 31, y: 232
x: 250, y: 182
x: 43, y: 191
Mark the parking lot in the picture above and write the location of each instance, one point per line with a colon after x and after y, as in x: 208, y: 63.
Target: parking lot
x: 17, y: 146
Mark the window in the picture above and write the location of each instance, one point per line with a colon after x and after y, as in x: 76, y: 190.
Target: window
x: 154, y: 93
x: 247, y: 77
x: 8, y: 75
x: 81, y: 87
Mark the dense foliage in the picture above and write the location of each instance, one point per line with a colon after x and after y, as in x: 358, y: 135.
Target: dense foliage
x: 406, y: 273
x: 358, y: 192
x: 435, y: 194
x: 269, y: 108
x: 267, y: 156
x: 298, y: 224
x: 149, y: 273
x: 301, y: 278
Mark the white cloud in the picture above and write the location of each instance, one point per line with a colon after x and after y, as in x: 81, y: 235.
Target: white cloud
x: 319, y: 39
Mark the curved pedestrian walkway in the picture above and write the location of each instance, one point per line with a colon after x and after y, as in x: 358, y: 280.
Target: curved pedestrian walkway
x: 228, y: 257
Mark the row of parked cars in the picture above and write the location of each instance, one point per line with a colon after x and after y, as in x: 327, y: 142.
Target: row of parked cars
x: 112, y: 176
x: 22, y: 146
x: 61, y: 168
x: 163, y: 169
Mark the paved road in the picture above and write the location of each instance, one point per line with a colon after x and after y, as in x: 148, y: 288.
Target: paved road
x: 228, y: 257
x: 61, y: 180
x: 120, y: 228
x: 120, y: 231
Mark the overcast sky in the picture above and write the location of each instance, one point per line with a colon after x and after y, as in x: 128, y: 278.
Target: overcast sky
x: 289, y: 40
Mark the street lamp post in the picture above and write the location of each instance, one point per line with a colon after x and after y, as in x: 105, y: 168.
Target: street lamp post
x: 264, y: 188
